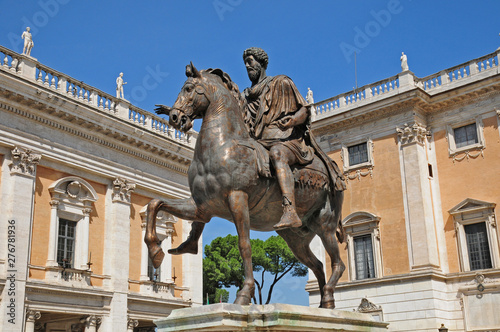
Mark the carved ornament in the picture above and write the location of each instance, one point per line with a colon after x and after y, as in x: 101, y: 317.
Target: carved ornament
x: 122, y: 190
x: 24, y: 161
x: 415, y: 133
x: 367, y: 306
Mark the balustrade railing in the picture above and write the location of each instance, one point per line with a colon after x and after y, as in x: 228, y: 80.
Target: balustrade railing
x: 363, y: 93
x: 435, y: 82
x: 84, y: 93
x: 9, y: 60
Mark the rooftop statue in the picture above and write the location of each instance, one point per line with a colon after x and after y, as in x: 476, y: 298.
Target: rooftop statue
x: 404, y: 62
x: 309, y: 96
x: 28, y: 41
x: 257, y: 164
x: 119, y: 86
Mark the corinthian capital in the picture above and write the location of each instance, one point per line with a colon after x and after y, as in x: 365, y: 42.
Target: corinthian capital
x: 24, y: 161
x: 32, y: 315
x: 415, y: 133
x: 122, y: 189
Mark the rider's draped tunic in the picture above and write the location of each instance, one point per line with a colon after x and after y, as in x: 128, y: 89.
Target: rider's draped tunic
x: 269, y: 101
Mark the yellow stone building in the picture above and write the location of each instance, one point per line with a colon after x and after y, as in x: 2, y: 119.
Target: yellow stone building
x: 421, y: 157
x: 78, y: 167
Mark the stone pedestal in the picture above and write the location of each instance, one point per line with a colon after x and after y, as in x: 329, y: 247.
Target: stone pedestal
x: 272, y: 317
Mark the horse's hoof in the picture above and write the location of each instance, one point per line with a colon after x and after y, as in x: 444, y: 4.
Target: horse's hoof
x: 328, y: 304
x: 242, y: 300
x: 158, y: 258
x: 187, y: 247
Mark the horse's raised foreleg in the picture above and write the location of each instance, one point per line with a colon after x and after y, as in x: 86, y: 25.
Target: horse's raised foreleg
x: 181, y: 208
x: 238, y: 205
x: 302, y: 251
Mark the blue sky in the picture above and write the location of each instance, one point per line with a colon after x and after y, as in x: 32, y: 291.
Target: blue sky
x: 313, y: 43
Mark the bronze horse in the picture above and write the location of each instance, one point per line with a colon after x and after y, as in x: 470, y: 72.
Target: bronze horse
x: 225, y: 181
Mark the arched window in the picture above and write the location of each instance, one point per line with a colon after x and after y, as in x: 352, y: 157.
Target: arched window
x: 71, y: 203
x: 363, y: 244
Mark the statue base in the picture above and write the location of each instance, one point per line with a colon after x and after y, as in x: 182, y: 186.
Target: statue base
x: 271, y: 317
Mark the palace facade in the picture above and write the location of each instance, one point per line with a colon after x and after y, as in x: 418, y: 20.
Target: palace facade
x: 421, y: 157
x: 78, y: 167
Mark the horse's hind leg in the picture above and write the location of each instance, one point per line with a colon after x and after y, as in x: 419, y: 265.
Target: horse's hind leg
x: 300, y: 246
x: 327, y: 236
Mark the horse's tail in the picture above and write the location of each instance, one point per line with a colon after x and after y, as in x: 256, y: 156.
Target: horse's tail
x: 338, y: 196
x: 340, y: 232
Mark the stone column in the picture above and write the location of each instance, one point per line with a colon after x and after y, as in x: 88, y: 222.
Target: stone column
x: 144, y: 255
x: 83, y: 228
x: 166, y: 245
x: 54, y: 226
x: 420, y: 227
x: 116, y: 259
x: 31, y: 317
x: 131, y: 324
x: 17, y: 190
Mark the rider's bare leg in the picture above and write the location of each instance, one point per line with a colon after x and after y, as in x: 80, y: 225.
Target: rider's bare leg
x: 190, y: 246
x: 282, y: 157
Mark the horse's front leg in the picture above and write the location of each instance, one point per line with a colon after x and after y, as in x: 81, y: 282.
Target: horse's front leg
x: 181, y: 208
x: 238, y: 205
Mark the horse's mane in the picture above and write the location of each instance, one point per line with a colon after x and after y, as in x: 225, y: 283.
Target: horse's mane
x: 228, y: 83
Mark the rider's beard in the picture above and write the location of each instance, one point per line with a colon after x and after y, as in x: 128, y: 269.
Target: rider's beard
x: 253, y: 75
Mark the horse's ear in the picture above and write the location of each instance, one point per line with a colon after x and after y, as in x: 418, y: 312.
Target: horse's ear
x: 191, y: 71
x: 225, y: 77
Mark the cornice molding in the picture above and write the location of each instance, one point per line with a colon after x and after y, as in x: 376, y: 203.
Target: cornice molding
x: 86, y: 134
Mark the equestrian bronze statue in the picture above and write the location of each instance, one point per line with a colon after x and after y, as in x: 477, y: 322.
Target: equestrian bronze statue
x: 256, y: 164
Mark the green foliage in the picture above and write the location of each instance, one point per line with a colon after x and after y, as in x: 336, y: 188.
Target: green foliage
x: 223, y: 266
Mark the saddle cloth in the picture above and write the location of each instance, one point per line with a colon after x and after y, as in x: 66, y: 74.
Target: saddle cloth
x: 314, y: 174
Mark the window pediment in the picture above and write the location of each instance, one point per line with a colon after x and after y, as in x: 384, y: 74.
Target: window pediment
x: 470, y: 205
x: 73, y: 189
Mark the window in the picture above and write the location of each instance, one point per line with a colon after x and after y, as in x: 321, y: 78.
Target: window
x: 463, y: 137
x: 363, y: 258
x: 164, y: 229
x: 358, y: 154
x: 478, y: 247
x: 72, y: 200
x: 477, y: 237
x: 466, y: 135
x: 363, y: 245
x: 66, y: 243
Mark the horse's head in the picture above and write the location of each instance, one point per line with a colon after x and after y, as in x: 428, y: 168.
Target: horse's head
x: 198, y: 92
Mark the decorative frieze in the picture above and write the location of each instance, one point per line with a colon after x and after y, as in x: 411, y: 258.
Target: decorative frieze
x: 24, y: 161
x: 122, y: 190
x: 357, y: 174
x: 410, y: 134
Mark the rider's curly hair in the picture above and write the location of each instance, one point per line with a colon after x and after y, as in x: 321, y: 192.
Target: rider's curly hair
x: 259, y: 54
